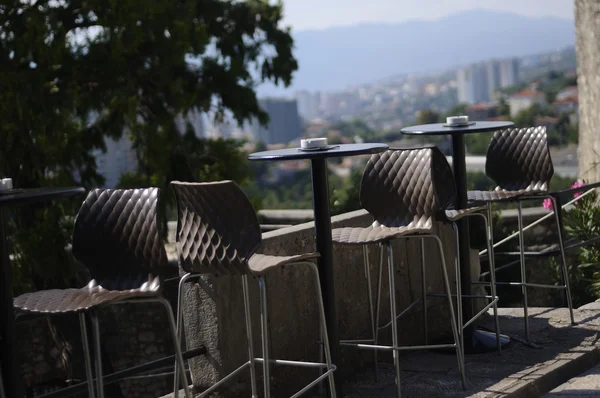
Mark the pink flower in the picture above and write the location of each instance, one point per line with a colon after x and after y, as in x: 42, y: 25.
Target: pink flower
x: 577, y: 184
x: 547, y: 204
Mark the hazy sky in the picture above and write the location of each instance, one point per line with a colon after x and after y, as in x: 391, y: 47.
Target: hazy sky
x: 319, y: 14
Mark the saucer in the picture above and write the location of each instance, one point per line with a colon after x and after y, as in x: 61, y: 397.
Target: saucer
x: 458, y: 125
x: 11, y: 191
x: 322, y: 148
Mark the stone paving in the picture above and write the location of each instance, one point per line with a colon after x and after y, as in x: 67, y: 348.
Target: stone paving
x: 586, y: 385
x: 558, y: 352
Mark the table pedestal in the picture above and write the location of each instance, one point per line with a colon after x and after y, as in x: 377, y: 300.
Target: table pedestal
x: 460, y: 179
x: 324, y: 246
x: 11, y: 372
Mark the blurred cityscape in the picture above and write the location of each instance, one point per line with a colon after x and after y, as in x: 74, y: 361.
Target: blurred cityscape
x: 490, y: 90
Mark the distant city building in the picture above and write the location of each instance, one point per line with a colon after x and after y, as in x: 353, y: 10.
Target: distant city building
x: 284, y: 121
x: 509, y: 72
x: 479, y: 82
x: 493, y: 78
x: 566, y: 105
x: 431, y: 89
x: 308, y: 104
x: 567, y: 92
x: 221, y: 129
x: 329, y: 104
x: 193, y: 119
x: 472, y: 84
x: 348, y: 103
x: 524, y: 99
x: 119, y: 158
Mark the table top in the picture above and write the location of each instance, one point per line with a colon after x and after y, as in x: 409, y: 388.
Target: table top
x: 30, y: 195
x: 335, y: 151
x: 441, y: 128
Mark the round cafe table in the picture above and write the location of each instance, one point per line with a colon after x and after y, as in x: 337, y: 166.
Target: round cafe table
x: 9, y: 363
x: 320, y: 188
x: 460, y: 179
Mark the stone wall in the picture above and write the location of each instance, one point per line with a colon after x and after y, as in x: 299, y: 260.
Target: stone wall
x: 587, y: 34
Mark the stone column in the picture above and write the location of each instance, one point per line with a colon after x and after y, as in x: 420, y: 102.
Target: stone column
x: 587, y: 27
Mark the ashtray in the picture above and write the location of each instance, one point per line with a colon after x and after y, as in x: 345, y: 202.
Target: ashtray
x: 316, y: 149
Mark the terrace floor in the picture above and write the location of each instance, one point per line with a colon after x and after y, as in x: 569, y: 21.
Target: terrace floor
x: 558, y: 353
x: 560, y: 361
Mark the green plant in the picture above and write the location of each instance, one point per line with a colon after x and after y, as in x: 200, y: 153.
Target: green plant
x: 582, y: 222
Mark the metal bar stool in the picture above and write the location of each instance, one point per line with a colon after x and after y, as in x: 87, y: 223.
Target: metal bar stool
x: 519, y: 162
x: 218, y: 233
x: 117, y: 236
x: 402, y: 192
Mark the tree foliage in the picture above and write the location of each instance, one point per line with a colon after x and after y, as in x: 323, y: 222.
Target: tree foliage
x: 77, y: 71
x: 427, y: 116
x: 355, y: 128
x: 137, y: 64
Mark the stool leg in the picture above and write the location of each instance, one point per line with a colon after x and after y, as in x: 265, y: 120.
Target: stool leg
x: 321, y: 358
x: 324, y: 335
x: 459, y: 301
x: 561, y: 243
x: 523, y: 271
x: 177, y: 346
x: 424, y: 292
x: 492, y: 262
x: 86, y: 355
x: 393, y: 315
x: 179, y: 327
x: 265, y: 336
x: 98, y: 355
x: 370, y: 298
x: 249, y: 335
x: 378, y: 306
x: 459, y: 351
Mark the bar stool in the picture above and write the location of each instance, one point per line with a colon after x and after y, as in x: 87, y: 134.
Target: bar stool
x: 218, y: 233
x: 403, y: 192
x: 519, y: 162
x: 117, y: 236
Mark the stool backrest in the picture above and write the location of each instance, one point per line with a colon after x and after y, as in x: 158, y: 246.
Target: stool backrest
x: 117, y: 237
x: 407, y: 186
x: 217, y: 227
x: 519, y: 159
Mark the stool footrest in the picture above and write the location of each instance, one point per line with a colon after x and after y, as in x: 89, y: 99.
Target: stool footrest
x: 400, y: 348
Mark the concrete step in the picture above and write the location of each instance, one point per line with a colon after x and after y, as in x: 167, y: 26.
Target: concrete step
x: 584, y: 385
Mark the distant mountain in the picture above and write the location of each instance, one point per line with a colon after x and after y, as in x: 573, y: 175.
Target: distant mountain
x: 333, y: 58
